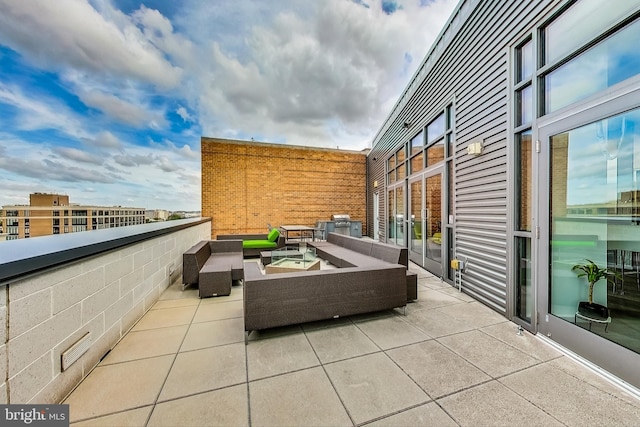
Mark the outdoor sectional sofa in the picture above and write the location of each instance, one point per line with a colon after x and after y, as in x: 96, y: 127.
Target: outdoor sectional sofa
x: 346, y: 251
x: 362, y: 283
x: 253, y: 244
x: 212, y: 265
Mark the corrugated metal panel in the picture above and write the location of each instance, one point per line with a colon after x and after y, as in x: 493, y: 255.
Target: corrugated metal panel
x: 473, y: 69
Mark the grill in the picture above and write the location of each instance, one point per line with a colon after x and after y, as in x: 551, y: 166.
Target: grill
x: 342, y: 223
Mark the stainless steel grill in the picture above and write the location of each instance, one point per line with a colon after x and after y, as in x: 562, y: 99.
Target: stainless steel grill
x: 342, y: 223
x: 341, y: 220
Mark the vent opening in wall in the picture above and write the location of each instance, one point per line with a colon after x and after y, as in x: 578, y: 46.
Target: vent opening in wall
x: 73, y: 353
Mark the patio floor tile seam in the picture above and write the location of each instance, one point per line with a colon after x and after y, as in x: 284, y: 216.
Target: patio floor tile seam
x: 524, y: 396
x: 384, y: 350
x: 292, y: 371
x: 333, y: 386
x: 246, y: 373
x: 463, y: 389
x: 197, y: 393
x: 431, y: 398
x: 493, y: 377
x: 506, y: 342
x: 614, y: 386
x: 191, y: 350
x: 215, y: 320
x: 175, y: 356
x: 559, y: 356
x: 82, y: 420
x: 391, y: 414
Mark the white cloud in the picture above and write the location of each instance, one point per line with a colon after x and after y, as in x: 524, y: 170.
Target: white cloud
x: 302, y: 74
x: 182, y: 112
x: 120, y: 110
x: 41, y: 112
x: 78, y: 155
x: 71, y: 33
x: 309, y: 73
x: 104, y: 139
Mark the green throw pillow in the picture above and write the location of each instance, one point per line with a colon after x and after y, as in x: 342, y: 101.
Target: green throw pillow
x: 273, y: 235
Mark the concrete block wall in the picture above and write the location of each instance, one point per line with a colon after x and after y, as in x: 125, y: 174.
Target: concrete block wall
x: 105, y: 295
x: 246, y: 185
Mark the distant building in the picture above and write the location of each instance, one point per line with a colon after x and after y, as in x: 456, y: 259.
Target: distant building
x: 49, y: 214
x: 157, y: 215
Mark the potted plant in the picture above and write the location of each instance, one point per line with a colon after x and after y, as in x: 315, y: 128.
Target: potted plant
x: 594, y: 273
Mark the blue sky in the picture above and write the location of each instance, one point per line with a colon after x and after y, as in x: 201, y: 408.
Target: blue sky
x: 106, y: 101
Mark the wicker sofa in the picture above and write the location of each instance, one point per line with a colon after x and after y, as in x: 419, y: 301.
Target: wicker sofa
x: 361, y: 284
x: 212, y: 265
x: 289, y: 298
x: 346, y: 251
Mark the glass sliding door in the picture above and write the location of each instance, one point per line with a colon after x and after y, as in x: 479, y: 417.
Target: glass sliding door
x: 433, y: 223
x: 426, y: 243
x: 592, y: 174
x: 395, y: 210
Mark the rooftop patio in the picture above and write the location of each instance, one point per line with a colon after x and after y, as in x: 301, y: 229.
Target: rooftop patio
x: 448, y: 361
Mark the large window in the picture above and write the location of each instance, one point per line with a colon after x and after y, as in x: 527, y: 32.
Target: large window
x: 587, y: 49
x: 595, y: 215
x: 396, y: 167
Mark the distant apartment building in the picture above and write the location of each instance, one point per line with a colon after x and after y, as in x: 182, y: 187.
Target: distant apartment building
x: 157, y: 215
x: 49, y: 214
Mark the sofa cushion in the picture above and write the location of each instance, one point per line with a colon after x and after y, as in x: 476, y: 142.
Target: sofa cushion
x: 259, y: 244
x: 273, y: 235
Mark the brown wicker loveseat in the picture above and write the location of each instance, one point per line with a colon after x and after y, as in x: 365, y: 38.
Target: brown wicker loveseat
x: 370, y: 283
x: 213, y: 265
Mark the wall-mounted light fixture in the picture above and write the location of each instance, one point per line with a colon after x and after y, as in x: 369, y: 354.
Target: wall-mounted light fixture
x: 375, y: 184
x: 475, y: 148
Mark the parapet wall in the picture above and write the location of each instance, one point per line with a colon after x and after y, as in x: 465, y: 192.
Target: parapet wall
x: 103, y: 294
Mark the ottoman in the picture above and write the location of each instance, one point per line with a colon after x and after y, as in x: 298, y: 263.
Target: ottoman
x: 214, y: 280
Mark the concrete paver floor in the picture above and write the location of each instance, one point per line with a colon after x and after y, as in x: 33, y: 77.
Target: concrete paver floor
x: 449, y: 361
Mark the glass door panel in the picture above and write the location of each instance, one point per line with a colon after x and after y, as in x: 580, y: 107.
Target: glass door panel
x: 399, y: 216
x: 591, y: 213
x: 433, y: 223
x: 416, y: 203
x: 391, y: 228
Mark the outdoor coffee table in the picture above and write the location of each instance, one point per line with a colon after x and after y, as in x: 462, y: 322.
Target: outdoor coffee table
x: 293, y: 260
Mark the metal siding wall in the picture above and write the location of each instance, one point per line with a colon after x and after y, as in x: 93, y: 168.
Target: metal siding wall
x: 474, y: 69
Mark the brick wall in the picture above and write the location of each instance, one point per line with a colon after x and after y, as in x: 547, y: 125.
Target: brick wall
x: 246, y: 185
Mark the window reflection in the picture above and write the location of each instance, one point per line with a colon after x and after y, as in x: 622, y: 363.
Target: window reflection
x: 417, y: 142
x: 525, y: 62
x: 525, y: 106
x: 435, y: 153
x: 595, y: 215
x: 417, y: 162
x: 604, y: 65
x: 435, y: 128
x: 578, y: 25
x: 524, y: 181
